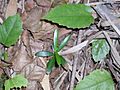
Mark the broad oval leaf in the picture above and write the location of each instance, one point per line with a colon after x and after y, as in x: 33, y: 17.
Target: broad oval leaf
x: 64, y: 42
x: 44, y: 54
x: 100, y: 49
x: 71, y: 15
x: 18, y: 81
x: 50, y: 64
x: 97, y: 80
x: 10, y: 30
x: 56, y: 33
x: 59, y: 59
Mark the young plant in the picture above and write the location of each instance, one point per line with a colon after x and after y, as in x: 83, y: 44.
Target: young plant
x: 56, y: 58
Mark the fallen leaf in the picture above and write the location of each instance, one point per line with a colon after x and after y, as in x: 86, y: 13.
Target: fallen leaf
x: 21, y: 58
x: 11, y: 8
x: 35, y: 70
x: 33, y: 18
x: 33, y: 85
x: 29, y: 4
x: 44, y: 3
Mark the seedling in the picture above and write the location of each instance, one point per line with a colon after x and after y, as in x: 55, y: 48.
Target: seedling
x: 56, y: 60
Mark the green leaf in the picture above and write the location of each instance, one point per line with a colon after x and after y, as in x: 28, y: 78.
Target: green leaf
x: 55, y: 40
x: 18, y: 81
x: 44, y: 54
x: 3, y: 77
x: 50, y: 64
x: 64, y: 42
x: 10, y: 30
x: 63, y: 61
x: 60, y: 60
x: 100, y: 49
x: 97, y: 80
x: 71, y: 15
x: 5, y: 55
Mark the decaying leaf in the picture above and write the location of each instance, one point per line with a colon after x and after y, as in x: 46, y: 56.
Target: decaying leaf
x: 32, y: 22
x: 44, y: 3
x: 11, y: 8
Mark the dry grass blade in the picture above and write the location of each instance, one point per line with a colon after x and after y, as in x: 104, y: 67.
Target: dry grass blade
x: 64, y: 74
x: 45, y: 83
x: 75, y: 48
x: 95, y: 3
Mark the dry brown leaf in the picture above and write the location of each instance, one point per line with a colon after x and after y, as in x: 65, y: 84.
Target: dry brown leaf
x: 36, y: 45
x: 21, y: 59
x: 35, y: 70
x: 75, y: 48
x: 11, y: 8
x: 33, y: 85
x: 45, y: 32
x: 26, y: 42
x: 29, y: 4
x: 64, y: 31
x: 43, y: 3
x: 32, y: 22
x: 24, y: 16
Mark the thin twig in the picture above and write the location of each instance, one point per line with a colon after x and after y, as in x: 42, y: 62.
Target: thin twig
x: 109, y: 20
x: 113, y: 50
x: 75, y: 64
x: 61, y: 81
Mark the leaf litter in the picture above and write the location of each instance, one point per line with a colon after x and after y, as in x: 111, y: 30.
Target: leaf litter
x: 38, y: 36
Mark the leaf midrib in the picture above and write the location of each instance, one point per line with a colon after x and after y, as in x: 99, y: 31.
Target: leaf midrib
x: 68, y: 16
x: 9, y: 31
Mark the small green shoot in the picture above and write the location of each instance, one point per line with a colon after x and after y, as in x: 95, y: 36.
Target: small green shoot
x: 56, y: 58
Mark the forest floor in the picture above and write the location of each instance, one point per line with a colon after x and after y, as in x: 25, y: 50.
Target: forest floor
x: 38, y: 36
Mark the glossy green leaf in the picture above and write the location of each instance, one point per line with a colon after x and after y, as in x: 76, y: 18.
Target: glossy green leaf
x: 55, y: 40
x: 44, y: 54
x: 50, y: 64
x: 10, y: 30
x: 100, y: 49
x: 97, y: 80
x: 63, y: 61
x: 64, y: 42
x: 18, y: 81
x: 60, y: 60
x: 71, y: 15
